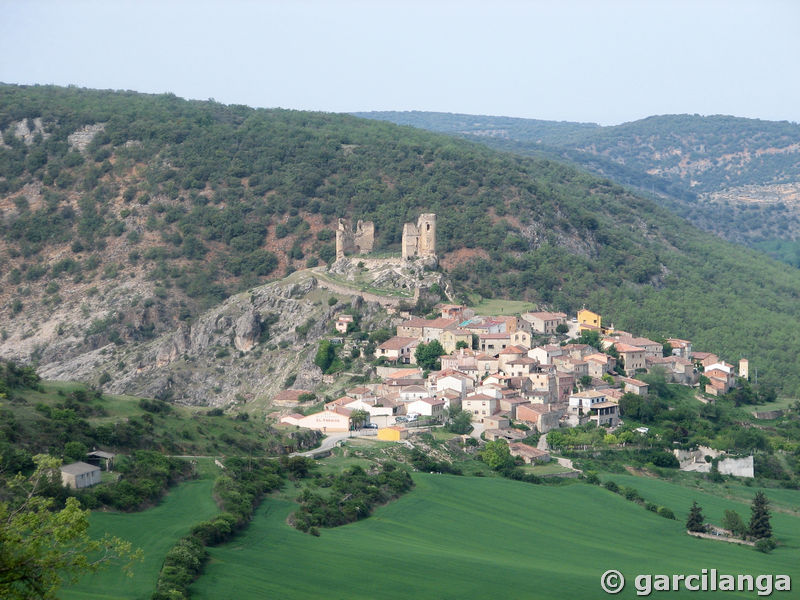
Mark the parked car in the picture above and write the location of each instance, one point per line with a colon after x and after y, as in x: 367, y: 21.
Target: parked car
x: 371, y: 426
x: 401, y: 419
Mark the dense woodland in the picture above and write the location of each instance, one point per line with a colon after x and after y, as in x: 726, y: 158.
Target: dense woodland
x: 675, y: 159
x: 203, y: 199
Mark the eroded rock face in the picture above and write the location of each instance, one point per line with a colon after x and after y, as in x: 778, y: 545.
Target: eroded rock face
x: 247, y: 331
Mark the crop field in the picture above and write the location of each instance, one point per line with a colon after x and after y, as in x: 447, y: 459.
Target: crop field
x: 154, y: 531
x: 469, y: 537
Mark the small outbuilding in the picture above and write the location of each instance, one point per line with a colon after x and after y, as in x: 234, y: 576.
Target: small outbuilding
x: 80, y: 475
x: 104, y: 460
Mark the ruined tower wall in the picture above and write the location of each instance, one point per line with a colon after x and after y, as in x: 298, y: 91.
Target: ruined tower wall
x: 351, y: 241
x: 426, y: 224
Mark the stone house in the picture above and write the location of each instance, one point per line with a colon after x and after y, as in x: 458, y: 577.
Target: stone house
x: 398, y: 349
x: 528, y: 454
x: 545, y: 322
x: 632, y: 356
x: 450, y: 338
x: 80, y: 475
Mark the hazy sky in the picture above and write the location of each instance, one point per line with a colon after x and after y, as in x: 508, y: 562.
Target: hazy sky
x: 605, y: 61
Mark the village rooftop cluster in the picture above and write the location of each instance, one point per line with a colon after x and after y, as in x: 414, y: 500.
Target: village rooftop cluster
x: 493, y: 370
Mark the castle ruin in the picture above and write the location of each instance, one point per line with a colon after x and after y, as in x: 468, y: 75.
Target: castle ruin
x: 351, y: 241
x: 420, y: 240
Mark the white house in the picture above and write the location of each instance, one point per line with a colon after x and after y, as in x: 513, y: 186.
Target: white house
x: 428, y: 407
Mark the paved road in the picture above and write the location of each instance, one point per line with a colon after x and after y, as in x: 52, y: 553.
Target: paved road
x: 328, y: 443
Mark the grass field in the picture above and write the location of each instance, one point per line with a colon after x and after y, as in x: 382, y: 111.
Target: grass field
x: 467, y: 537
x: 154, y: 531
x: 493, y: 306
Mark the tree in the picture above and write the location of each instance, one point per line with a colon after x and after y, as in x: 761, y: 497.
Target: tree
x: 41, y: 547
x: 358, y: 417
x: 733, y: 522
x: 326, y: 354
x: 458, y: 421
x: 759, y: 521
x: 427, y: 355
x: 497, y: 455
x: 695, y: 522
x: 461, y: 344
x: 562, y: 328
x: 590, y: 338
x: 585, y: 380
x: 666, y: 349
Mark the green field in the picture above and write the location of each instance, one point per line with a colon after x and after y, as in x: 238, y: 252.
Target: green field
x: 496, y: 306
x: 469, y: 537
x: 154, y: 531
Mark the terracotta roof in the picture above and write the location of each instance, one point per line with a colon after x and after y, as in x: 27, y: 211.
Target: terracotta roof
x: 633, y: 381
x: 405, y: 374
x: 604, y: 405
x: 480, y: 397
x: 431, y: 401
x: 415, y: 322
x: 514, y: 350
x: 440, y: 323
x: 627, y: 348
x: 397, y: 343
x: 526, y: 450
x: 290, y: 395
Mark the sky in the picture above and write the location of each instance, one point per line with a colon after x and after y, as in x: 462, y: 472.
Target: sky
x: 601, y: 61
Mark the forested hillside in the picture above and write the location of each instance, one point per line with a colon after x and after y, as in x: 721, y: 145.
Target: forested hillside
x: 124, y: 215
x: 738, y: 178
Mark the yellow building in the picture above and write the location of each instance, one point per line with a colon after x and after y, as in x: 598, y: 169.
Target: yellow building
x: 392, y: 434
x: 589, y: 320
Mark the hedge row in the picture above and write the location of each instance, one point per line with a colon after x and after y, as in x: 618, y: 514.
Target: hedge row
x: 239, y: 491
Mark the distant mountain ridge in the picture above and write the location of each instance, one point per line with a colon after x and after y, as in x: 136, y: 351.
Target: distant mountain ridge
x: 736, y: 177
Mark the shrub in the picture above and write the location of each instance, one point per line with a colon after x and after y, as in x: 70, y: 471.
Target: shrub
x: 665, y: 512
x: 765, y: 545
x: 611, y: 486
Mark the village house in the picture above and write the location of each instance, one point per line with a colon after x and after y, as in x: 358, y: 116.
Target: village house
x: 413, y: 392
x: 650, y: 347
x: 458, y: 359
x: 564, y: 384
x: 102, y: 459
x: 509, y: 405
x: 577, y: 351
x: 486, y: 364
x: 634, y: 386
x: 508, y: 354
x: 521, y: 367
x: 80, y: 475
x: 336, y: 419
x: 528, y: 454
x: 567, y: 364
x: 456, y: 311
x: 412, y: 328
x: 588, y: 320
x: 427, y: 407
x: 605, y: 414
x: 544, y: 417
x: 545, y: 354
x: 681, y: 348
x: 290, y: 397
x: 496, y: 422
x: 520, y: 337
x: 581, y: 403
x: 599, y: 364
x: 479, y: 405
x: 632, y: 357
x: 433, y: 329
x: 545, y: 322
x: 398, y: 349
x: 451, y: 337
x: 493, y: 343
x: 454, y: 381
x: 342, y: 322
x: 676, y: 369
x: 703, y: 359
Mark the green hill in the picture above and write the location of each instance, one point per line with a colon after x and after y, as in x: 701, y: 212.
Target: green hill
x: 125, y: 215
x: 466, y: 537
x: 735, y: 177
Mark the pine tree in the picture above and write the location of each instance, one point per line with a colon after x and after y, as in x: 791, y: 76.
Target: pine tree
x: 695, y: 520
x: 759, y: 521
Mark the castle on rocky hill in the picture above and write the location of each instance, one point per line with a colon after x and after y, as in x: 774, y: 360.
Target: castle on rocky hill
x: 418, y: 240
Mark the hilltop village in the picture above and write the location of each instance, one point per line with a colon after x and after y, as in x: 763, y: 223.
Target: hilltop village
x: 513, y: 374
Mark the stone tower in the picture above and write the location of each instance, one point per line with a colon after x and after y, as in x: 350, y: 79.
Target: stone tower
x: 744, y: 368
x: 426, y: 225
x: 420, y: 239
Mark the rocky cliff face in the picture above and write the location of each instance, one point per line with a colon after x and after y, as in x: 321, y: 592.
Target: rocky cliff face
x: 243, y: 350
